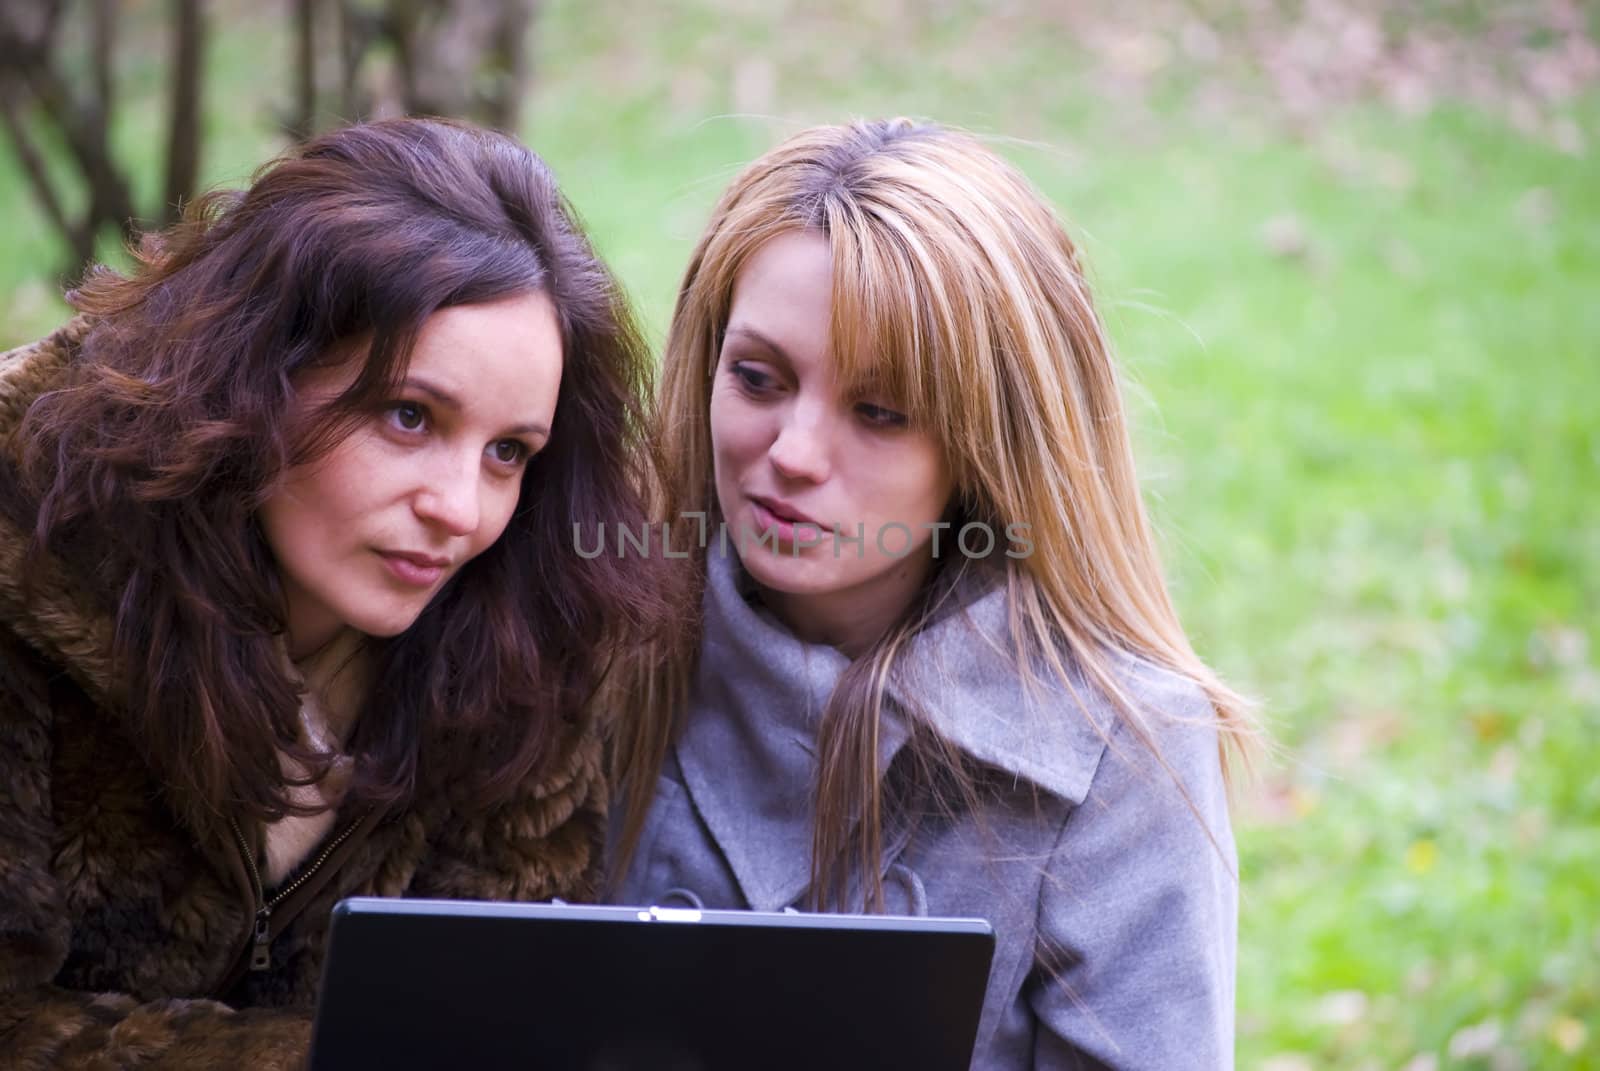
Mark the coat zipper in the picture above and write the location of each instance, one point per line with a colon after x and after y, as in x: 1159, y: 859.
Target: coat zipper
x: 261, y: 948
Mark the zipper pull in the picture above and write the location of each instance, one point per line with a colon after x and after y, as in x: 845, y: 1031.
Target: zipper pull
x: 261, y: 952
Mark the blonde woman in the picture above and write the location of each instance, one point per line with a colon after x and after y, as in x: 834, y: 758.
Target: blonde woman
x: 936, y: 668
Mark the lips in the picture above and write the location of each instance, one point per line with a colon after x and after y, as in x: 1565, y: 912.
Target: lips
x: 783, y: 511
x: 422, y: 561
x: 414, y: 569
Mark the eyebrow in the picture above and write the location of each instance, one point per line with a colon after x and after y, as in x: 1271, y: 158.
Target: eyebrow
x: 761, y: 340
x: 450, y: 401
x: 870, y: 385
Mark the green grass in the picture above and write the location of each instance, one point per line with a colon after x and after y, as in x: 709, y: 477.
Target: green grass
x: 1376, y: 461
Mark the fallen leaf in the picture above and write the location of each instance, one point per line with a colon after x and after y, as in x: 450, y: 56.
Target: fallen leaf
x: 1342, y: 1007
x: 1287, y: 1061
x: 1422, y: 856
x: 1478, y: 1039
x: 1536, y: 207
x: 1284, y: 236
x: 1503, y: 766
x: 1488, y: 725
x: 1568, y: 1034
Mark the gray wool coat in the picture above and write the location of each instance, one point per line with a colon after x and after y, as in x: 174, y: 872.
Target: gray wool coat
x: 1113, y: 896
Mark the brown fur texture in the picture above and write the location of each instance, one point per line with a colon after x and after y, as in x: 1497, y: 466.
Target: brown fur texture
x: 118, y: 924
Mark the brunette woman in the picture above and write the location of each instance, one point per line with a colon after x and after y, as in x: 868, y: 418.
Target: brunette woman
x: 288, y: 609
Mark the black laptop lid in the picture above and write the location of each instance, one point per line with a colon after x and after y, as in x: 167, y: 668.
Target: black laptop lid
x: 425, y: 984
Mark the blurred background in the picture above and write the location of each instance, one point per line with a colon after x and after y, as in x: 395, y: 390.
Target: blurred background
x: 1350, y: 253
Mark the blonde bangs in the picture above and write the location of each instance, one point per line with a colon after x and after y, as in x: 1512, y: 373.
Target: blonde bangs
x: 878, y: 332
x: 910, y: 324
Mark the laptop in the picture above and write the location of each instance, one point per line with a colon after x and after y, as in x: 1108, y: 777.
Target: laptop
x: 561, y: 987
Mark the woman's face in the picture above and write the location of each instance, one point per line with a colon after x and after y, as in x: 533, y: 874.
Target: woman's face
x: 791, y: 445
x: 368, y: 533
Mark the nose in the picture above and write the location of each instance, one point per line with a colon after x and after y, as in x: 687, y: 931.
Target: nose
x: 803, y: 448
x: 449, y: 495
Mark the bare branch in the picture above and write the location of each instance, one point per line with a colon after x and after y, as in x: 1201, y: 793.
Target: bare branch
x: 108, y: 190
x: 27, y: 27
x: 80, y: 239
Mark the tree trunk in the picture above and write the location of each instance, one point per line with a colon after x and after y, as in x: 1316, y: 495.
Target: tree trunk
x: 509, y: 62
x: 304, y: 122
x: 183, y: 147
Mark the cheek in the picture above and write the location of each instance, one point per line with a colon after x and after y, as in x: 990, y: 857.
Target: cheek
x: 325, y: 500
x: 291, y: 517
x: 737, y: 429
x: 349, y: 479
x: 499, y: 506
x: 917, y: 482
x: 304, y: 542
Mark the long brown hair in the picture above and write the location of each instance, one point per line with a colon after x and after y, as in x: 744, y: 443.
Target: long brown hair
x: 144, y: 473
x: 956, y: 289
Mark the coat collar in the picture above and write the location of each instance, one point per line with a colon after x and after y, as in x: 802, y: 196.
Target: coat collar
x: 748, y: 747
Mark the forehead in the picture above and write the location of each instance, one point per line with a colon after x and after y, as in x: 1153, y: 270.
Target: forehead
x: 504, y: 357
x: 522, y: 325
x: 784, y: 295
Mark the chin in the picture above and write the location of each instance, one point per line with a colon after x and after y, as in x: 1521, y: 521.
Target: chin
x: 389, y: 631
x: 795, y: 576
x: 383, y: 624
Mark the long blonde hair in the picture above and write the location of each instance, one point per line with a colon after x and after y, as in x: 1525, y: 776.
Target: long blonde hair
x: 958, y: 292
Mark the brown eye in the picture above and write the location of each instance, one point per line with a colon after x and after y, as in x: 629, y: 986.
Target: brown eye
x: 751, y: 378
x: 407, y: 416
x: 509, y: 451
x: 880, y: 417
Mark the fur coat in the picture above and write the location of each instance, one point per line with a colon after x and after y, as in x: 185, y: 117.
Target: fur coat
x: 126, y: 939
